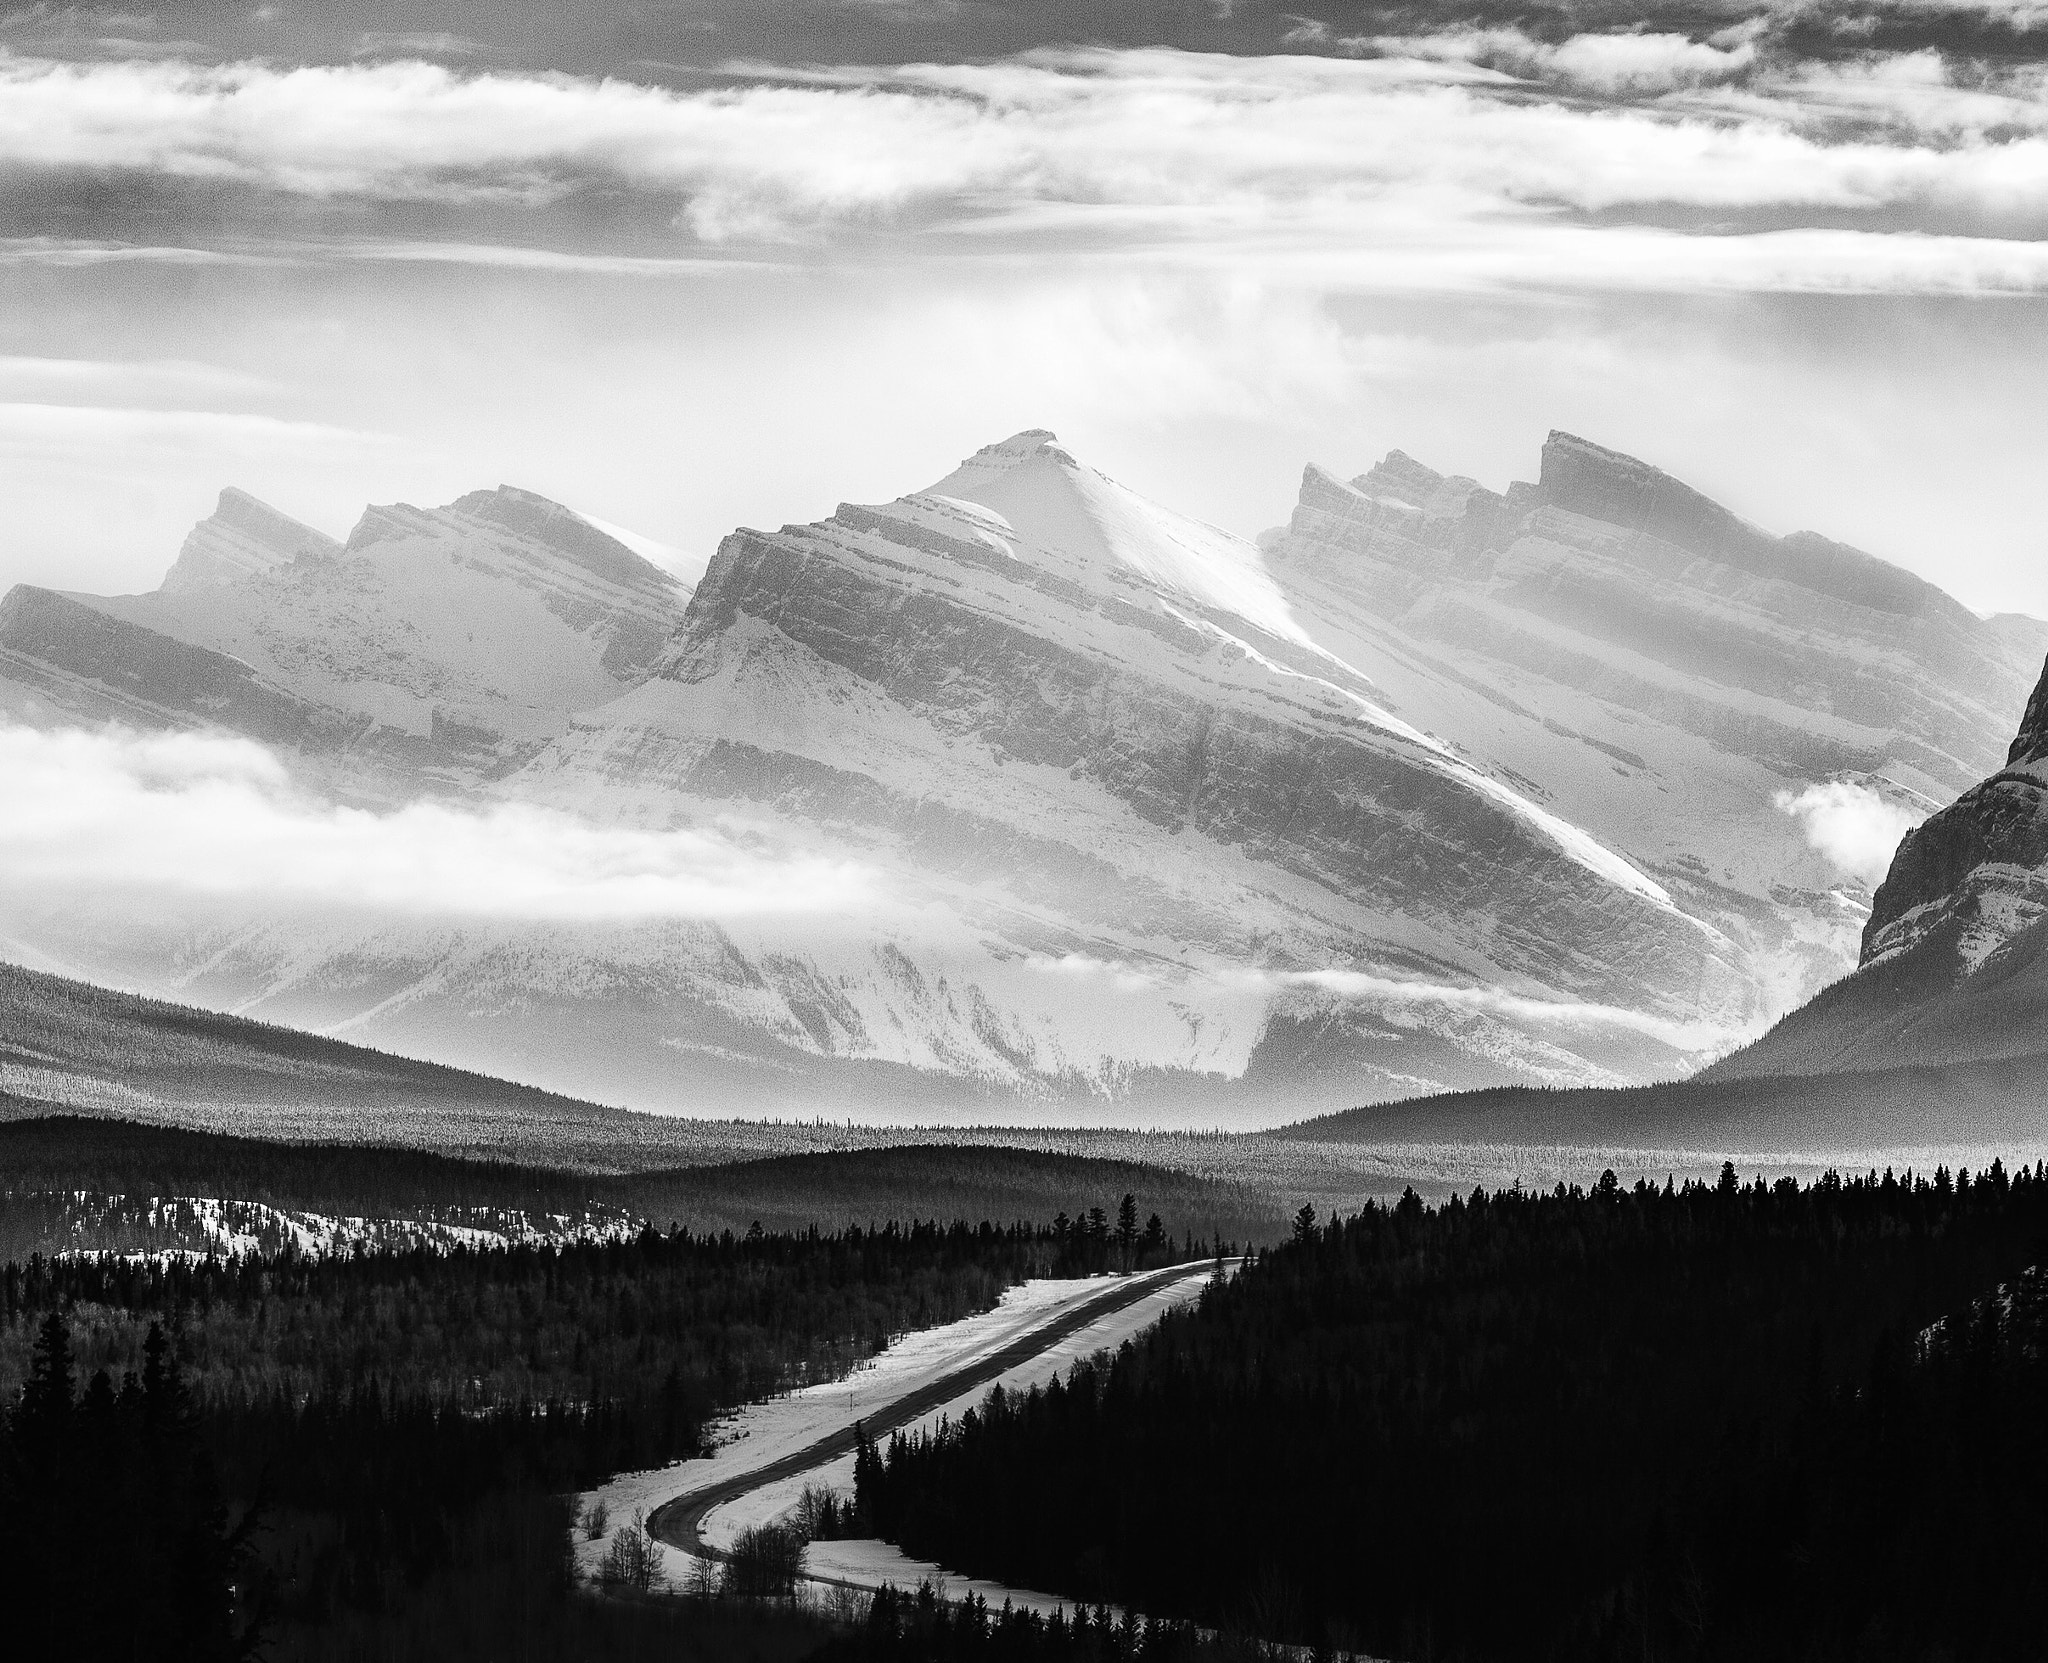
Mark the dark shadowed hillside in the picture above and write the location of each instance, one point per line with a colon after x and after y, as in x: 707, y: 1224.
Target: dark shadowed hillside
x: 69, y: 1182
x: 1996, y: 1104
x: 860, y: 1186
x: 68, y: 1044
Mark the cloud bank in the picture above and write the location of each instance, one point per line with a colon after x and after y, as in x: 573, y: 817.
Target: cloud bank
x: 209, y: 816
x: 1470, y: 152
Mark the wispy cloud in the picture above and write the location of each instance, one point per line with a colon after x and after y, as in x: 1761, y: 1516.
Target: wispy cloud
x: 198, y: 815
x: 86, y: 252
x: 31, y: 428
x: 1394, y: 995
x: 431, y: 43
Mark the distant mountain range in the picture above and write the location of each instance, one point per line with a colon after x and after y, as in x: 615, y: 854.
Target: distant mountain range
x: 434, y: 648
x: 1436, y: 787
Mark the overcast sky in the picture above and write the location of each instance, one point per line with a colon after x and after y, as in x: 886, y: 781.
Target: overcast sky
x: 710, y: 264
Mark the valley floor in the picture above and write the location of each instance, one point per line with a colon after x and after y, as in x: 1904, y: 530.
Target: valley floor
x: 1040, y: 1329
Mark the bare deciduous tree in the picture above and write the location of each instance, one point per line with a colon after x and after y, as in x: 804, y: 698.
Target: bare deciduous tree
x: 633, y: 1561
x: 765, y: 1562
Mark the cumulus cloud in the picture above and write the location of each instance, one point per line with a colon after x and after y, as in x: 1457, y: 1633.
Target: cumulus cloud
x: 1853, y: 826
x: 218, y: 818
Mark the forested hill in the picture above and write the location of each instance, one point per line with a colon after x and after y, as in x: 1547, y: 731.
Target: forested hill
x: 1718, y: 1422
x: 70, y: 1045
x: 71, y: 1182
x: 2000, y: 1104
x: 401, y: 1427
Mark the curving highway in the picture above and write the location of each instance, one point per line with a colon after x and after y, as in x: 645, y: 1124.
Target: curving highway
x: 680, y: 1521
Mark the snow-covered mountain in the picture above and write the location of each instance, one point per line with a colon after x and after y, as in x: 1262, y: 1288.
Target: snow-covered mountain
x: 1659, y: 672
x: 1137, y: 824
x: 1441, y: 787
x: 435, y: 644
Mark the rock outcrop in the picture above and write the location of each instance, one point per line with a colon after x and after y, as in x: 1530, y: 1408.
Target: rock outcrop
x: 89, y: 662
x: 241, y: 539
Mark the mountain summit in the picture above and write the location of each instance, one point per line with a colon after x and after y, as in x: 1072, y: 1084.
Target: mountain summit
x: 442, y: 639
x: 1437, y: 786
x: 241, y: 539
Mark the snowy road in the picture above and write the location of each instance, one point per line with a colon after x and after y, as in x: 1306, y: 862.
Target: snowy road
x: 772, y: 1450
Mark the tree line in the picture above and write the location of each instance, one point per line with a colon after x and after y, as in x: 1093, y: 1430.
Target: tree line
x: 1713, y: 1421
x: 341, y: 1454
x: 918, y: 1626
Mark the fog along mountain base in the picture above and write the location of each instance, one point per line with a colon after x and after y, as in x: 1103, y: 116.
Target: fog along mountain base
x: 1437, y: 788
x: 1935, y: 1043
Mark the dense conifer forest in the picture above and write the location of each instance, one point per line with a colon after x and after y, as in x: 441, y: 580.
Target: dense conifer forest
x: 1722, y: 1421
x: 343, y: 1456
x: 70, y: 1183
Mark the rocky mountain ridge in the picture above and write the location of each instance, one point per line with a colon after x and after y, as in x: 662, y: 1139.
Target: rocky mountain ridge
x: 432, y: 645
x: 1661, y: 672
x: 1437, y: 787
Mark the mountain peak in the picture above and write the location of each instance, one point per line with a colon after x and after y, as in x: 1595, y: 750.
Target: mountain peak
x: 992, y: 462
x: 1400, y: 476
x: 1060, y: 513
x: 525, y: 515
x: 1609, y: 485
x: 243, y: 537
x: 529, y: 514
x: 1584, y: 478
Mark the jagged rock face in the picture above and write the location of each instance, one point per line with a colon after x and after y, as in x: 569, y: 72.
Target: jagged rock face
x: 2030, y: 744
x: 58, y: 646
x: 1976, y: 873
x: 1658, y: 672
x: 452, y: 640
x: 241, y: 539
x: 1980, y: 863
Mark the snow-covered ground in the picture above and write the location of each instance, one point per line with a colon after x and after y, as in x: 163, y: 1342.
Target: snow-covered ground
x: 210, y: 1225
x: 763, y: 1433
